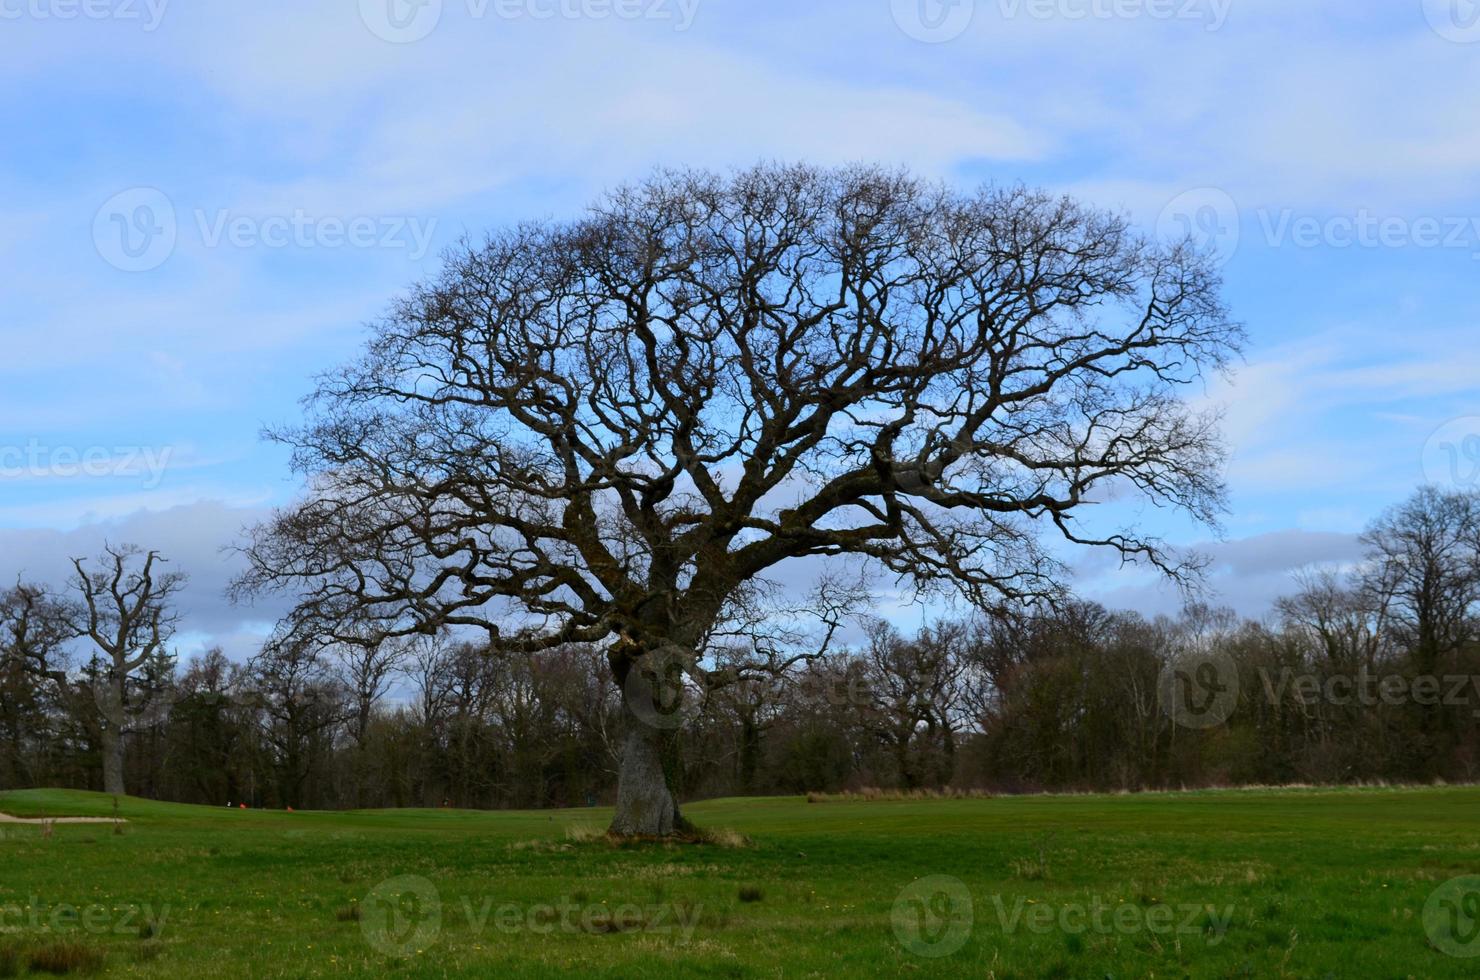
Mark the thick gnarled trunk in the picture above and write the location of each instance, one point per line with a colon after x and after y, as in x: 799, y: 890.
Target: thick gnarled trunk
x: 645, y: 805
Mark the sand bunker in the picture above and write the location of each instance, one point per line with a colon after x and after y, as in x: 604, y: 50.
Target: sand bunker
x: 7, y: 818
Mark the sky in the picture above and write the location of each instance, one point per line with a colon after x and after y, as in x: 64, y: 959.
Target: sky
x: 203, y: 204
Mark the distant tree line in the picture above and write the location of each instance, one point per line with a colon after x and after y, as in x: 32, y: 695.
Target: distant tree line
x: 1360, y: 674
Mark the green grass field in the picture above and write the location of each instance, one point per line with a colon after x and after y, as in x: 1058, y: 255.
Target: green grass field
x: 1300, y: 883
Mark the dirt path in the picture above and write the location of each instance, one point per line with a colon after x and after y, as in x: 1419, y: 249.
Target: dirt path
x: 7, y: 818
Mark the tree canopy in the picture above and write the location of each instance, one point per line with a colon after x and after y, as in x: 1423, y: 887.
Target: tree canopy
x: 608, y: 430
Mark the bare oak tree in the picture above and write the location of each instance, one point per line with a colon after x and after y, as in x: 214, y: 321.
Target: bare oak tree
x: 124, y: 607
x: 610, y: 430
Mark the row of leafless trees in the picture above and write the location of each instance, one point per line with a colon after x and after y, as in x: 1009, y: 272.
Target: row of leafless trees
x: 1331, y: 690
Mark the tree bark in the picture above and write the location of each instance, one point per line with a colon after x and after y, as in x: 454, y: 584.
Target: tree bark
x: 112, y: 740
x: 750, y: 752
x: 645, y: 805
x: 114, y: 712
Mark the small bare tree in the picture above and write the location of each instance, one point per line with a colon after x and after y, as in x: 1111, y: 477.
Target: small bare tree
x: 35, y: 628
x: 301, y: 704
x: 1423, y: 570
x: 611, y: 430
x: 426, y: 669
x: 1347, y: 621
x: 367, y: 671
x: 916, y: 698
x: 124, y: 607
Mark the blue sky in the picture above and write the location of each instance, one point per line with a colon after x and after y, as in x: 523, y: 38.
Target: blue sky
x: 201, y: 204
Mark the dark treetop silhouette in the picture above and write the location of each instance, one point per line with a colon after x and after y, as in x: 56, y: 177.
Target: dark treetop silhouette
x: 611, y: 428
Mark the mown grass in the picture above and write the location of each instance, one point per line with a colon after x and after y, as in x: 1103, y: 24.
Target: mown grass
x: 1316, y: 883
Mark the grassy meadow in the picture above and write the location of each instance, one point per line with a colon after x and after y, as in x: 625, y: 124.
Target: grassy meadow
x: 1277, y: 883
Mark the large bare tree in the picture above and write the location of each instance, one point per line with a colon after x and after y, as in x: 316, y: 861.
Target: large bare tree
x: 124, y: 606
x: 613, y: 429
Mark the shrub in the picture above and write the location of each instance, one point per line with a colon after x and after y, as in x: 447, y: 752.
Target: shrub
x: 62, y: 958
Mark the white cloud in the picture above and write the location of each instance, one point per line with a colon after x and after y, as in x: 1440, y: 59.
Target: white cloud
x: 1347, y: 407
x: 191, y: 536
x: 1246, y: 574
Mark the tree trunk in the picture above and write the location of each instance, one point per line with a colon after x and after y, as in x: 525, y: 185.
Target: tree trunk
x: 652, y: 715
x: 112, y: 740
x: 645, y: 804
x: 750, y: 752
x: 113, y: 709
